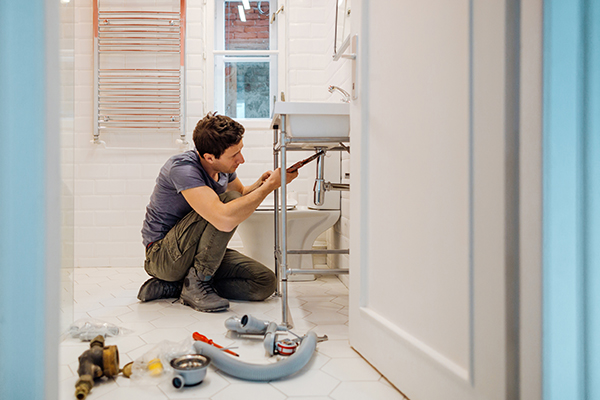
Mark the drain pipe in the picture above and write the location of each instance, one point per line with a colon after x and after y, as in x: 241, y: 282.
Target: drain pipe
x: 261, y: 372
x: 319, y: 188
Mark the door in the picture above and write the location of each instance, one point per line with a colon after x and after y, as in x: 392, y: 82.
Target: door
x: 434, y: 235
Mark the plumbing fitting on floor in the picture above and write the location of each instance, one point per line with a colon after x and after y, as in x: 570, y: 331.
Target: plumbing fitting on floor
x: 254, y: 326
x: 261, y: 372
x: 299, y: 351
x: 250, y: 325
x: 190, y: 370
x: 96, y: 362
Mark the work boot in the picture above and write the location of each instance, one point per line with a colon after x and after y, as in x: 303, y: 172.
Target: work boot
x: 199, y: 294
x: 155, y: 288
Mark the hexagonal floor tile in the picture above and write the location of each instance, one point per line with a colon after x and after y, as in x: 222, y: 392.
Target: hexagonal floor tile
x: 351, y: 369
x: 249, y: 391
x: 365, y: 390
x: 213, y: 383
x: 307, y: 383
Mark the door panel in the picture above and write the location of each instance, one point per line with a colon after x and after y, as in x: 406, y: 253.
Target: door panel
x: 432, y: 210
x: 423, y: 157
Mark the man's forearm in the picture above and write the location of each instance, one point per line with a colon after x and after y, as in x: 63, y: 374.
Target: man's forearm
x: 238, y: 210
x: 252, y: 188
x: 226, y: 216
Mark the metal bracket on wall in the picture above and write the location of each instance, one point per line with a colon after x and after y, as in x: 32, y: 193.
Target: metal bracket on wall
x: 352, y: 42
x: 274, y: 16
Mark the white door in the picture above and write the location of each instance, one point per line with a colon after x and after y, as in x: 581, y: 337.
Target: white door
x: 432, y: 206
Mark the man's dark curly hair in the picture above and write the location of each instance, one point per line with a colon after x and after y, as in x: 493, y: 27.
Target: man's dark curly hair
x: 215, y: 133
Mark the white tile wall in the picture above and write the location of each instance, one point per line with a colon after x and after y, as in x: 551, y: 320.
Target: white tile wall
x: 112, y: 186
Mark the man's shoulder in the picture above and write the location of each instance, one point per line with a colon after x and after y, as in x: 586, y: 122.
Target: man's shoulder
x: 185, y: 158
x: 184, y: 171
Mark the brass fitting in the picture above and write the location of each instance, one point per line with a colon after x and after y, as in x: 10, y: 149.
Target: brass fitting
x: 94, y: 363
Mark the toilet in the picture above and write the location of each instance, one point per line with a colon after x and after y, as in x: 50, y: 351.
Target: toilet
x: 304, y: 224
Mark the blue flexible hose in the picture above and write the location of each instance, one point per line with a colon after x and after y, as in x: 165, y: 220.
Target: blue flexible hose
x: 260, y: 372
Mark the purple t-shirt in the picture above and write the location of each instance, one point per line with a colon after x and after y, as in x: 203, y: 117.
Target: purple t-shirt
x: 167, y: 205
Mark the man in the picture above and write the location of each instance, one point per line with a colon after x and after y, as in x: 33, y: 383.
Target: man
x: 197, y: 203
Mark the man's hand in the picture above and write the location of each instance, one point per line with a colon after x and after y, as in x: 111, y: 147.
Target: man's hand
x: 244, y: 190
x: 274, y: 179
x: 265, y: 176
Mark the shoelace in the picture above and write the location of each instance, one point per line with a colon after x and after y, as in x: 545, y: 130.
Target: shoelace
x: 207, y: 287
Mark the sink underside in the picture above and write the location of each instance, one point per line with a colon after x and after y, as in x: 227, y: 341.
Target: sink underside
x: 313, y: 119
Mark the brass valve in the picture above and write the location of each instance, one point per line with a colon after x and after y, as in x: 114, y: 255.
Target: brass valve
x: 94, y: 363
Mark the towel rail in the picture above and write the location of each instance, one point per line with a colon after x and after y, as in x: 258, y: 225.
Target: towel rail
x: 143, y: 99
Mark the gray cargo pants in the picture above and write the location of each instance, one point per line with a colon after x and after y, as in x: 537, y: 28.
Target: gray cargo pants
x: 193, y: 242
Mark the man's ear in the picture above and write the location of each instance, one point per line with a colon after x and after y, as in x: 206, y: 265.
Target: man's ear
x: 210, y: 158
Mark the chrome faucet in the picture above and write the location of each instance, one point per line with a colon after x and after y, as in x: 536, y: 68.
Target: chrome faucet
x: 346, y: 98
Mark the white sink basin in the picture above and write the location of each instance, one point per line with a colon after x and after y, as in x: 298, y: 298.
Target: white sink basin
x: 313, y: 119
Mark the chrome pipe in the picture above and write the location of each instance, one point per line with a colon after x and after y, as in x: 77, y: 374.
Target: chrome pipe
x: 276, y: 252
x: 345, y: 95
x: 337, y: 186
x: 283, y: 211
x: 316, y: 251
x: 327, y: 271
x: 161, y: 70
x: 319, y: 187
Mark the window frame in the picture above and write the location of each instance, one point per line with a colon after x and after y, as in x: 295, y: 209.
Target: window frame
x: 216, y: 57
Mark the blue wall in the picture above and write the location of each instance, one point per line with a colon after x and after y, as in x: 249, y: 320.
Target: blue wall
x: 571, y: 280
x: 23, y: 202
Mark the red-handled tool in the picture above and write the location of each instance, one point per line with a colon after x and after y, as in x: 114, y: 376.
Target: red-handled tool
x: 299, y: 164
x: 202, y: 338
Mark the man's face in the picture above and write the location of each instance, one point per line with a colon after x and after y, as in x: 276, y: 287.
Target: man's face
x: 230, y: 159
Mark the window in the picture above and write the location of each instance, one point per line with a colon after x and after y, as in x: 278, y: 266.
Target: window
x: 245, y: 58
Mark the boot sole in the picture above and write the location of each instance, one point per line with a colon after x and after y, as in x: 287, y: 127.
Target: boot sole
x: 192, y: 305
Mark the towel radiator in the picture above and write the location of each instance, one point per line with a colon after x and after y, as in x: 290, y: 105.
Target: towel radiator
x: 139, y: 71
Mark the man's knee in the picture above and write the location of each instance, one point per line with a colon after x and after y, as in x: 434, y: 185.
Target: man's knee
x: 272, y: 285
x: 266, y: 286
x: 228, y: 196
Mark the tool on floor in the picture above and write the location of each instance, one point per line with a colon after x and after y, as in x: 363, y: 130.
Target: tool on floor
x: 301, y: 163
x: 94, y: 363
x: 202, y: 338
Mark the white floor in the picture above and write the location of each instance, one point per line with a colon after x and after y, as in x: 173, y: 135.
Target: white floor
x: 335, y: 371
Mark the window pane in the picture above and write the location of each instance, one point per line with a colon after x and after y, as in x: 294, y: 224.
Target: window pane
x: 253, y: 34
x: 247, y: 89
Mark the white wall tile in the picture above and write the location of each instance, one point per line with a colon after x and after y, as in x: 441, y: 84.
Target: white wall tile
x: 109, y: 218
x: 91, y: 234
x: 125, y: 171
x: 84, y: 218
x: 110, y: 186
x: 127, y: 202
x: 94, y: 202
